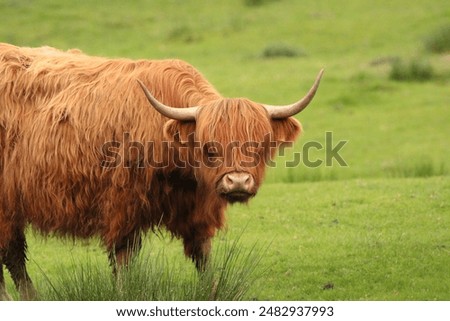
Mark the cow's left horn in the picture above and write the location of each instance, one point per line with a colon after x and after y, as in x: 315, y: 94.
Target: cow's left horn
x: 280, y: 112
x: 183, y: 114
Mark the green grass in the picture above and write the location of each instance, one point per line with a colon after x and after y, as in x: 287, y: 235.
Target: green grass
x: 376, y: 229
x: 438, y: 41
x: 374, y: 239
x: 384, y: 239
x: 415, y: 70
x: 155, y: 277
x: 277, y: 50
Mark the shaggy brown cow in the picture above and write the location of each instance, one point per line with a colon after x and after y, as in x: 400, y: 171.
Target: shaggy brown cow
x: 71, y: 132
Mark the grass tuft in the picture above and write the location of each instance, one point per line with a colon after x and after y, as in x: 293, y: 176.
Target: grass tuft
x: 276, y: 50
x: 418, y: 69
x: 439, y: 40
x: 232, y: 270
x: 183, y: 33
x: 422, y: 168
x: 256, y: 3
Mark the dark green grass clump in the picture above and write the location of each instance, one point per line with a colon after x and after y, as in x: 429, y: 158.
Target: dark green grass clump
x: 256, y: 3
x: 439, y: 40
x: 276, y: 50
x: 229, y: 276
x: 420, y: 168
x: 418, y: 69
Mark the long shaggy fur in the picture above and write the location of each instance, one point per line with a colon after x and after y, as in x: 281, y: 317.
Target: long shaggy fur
x: 57, y: 110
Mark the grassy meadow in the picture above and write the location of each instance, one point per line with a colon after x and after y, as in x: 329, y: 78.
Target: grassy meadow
x: 376, y: 229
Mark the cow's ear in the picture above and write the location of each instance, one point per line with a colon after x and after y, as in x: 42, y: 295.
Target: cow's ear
x: 286, y: 130
x: 175, y: 130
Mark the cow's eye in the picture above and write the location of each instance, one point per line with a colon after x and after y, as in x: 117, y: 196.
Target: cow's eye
x: 211, y: 150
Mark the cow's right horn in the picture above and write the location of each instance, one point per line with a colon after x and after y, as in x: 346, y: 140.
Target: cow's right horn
x: 183, y: 114
x: 280, y: 112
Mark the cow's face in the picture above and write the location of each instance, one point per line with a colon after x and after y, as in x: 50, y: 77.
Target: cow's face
x: 230, y: 140
x: 237, y: 137
x: 229, y: 144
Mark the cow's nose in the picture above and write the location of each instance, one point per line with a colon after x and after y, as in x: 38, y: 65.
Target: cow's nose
x: 238, y: 182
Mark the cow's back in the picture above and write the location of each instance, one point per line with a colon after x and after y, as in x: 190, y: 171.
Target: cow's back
x: 57, y: 110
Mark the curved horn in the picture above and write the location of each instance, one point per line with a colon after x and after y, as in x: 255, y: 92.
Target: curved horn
x: 280, y: 112
x: 183, y: 114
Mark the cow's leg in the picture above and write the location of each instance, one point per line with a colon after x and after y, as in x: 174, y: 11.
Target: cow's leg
x: 14, y: 259
x: 4, y: 240
x: 197, y: 246
x: 4, y: 296
x: 123, y: 251
x: 201, y: 253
